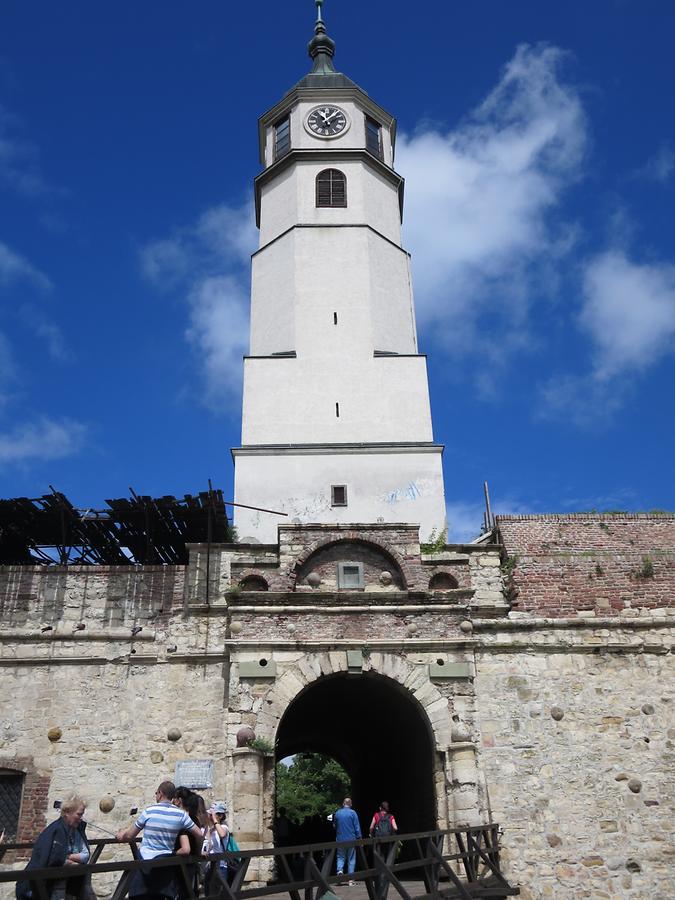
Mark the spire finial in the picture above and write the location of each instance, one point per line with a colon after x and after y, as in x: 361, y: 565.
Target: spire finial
x: 321, y: 48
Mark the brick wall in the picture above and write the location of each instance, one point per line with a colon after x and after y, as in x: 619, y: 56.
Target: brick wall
x: 608, y: 563
x: 33, y: 800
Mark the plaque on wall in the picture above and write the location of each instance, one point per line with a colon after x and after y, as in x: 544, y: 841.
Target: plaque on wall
x: 194, y: 773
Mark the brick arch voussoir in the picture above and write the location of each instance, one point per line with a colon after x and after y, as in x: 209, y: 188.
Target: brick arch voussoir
x: 349, y: 536
x: 295, y: 680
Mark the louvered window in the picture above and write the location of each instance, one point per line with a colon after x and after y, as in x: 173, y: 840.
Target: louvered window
x: 11, y: 786
x: 282, y: 137
x: 373, y: 137
x: 331, y: 188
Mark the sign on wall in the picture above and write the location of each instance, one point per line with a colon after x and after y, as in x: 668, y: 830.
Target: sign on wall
x: 194, y: 773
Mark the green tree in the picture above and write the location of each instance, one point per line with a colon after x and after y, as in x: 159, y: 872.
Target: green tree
x: 313, y: 784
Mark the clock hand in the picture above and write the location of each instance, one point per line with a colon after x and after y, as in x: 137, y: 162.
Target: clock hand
x: 332, y: 115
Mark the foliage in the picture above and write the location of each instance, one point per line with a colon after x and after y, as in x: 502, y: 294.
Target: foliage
x: 508, y: 565
x: 262, y: 744
x: 436, y: 542
x: 314, y: 784
x: 647, y: 568
x: 234, y: 591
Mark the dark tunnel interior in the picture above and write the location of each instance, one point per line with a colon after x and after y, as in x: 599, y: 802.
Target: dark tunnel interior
x: 378, y: 732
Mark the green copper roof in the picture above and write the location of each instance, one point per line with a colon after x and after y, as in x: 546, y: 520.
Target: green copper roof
x: 321, y: 50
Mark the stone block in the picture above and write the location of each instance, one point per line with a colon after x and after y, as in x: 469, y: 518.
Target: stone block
x: 256, y: 669
x: 449, y: 671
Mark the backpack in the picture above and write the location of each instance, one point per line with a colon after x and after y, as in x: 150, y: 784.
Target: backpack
x: 383, y: 828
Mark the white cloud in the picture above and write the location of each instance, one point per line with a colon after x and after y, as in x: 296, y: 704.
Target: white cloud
x: 659, y: 167
x: 581, y: 399
x: 464, y: 521
x: 14, y: 267
x: 628, y: 311
x: 219, y: 332
x: 44, y: 439
x: 481, y: 201
x: 465, y: 518
x: 46, y: 330
x: 208, y: 262
x: 19, y: 159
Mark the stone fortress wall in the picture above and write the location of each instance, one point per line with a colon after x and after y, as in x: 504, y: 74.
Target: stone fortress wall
x: 543, y: 667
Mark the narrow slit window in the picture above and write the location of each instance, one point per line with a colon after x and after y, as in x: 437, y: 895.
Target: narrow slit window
x: 331, y: 188
x: 338, y: 495
x: 282, y: 137
x: 337, y: 410
x: 334, y: 318
x: 373, y: 137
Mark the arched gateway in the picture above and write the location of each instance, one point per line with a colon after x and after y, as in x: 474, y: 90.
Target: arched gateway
x: 378, y: 732
x: 318, y: 667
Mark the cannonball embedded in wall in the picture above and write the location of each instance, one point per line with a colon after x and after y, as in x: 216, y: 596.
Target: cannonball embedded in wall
x: 557, y: 713
x: 460, y: 733
x: 648, y: 709
x: 245, y: 735
x: 386, y: 578
x: 235, y: 627
x: 634, y: 785
x: 290, y: 628
x: 412, y: 628
x: 106, y: 804
x: 156, y: 757
x: 54, y: 734
x: 313, y: 579
x: 466, y: 627
x: 174, y: 734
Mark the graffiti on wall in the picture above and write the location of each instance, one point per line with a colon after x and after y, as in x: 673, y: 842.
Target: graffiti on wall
x: 411, y: 491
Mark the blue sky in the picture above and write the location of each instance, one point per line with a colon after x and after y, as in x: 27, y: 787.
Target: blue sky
x: 538, y: 145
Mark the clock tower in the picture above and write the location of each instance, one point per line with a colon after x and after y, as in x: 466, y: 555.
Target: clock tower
x: 336, y: 424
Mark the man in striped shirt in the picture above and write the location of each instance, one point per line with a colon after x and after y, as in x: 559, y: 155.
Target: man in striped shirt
x: 161, y: 823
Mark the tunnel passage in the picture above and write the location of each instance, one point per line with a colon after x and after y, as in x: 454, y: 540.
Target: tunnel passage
x: 378, y: 732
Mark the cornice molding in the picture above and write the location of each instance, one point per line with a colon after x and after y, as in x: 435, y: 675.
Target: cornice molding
x: 332, y: 155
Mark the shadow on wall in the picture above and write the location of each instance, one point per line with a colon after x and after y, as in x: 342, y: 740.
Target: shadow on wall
x: 133, y: 595
x: 32, y: 593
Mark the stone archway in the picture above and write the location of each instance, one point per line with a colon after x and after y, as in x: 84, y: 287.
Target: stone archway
x: 385, y: 724
x: 378, y: 733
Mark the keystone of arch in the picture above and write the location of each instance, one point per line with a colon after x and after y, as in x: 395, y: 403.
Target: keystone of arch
x: 351, y: 537
x: 299, y: 676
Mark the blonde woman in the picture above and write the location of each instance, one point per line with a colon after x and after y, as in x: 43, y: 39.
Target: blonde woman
x: 63, y: 843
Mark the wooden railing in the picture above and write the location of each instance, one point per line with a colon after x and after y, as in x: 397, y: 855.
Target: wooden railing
x: 429, y: 865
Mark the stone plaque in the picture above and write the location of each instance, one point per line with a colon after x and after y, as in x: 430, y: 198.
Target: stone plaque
x: 194, y: 773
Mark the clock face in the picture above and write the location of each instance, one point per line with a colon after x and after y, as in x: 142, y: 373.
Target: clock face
x: 326, y: 121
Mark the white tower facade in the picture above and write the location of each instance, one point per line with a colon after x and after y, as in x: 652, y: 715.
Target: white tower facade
x: 336, y: 424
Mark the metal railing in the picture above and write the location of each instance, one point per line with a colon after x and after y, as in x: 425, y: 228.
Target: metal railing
x: 429, y: 865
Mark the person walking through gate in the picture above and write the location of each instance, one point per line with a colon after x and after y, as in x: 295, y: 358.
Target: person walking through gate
x: 347, y: 828
x: 383, y: 824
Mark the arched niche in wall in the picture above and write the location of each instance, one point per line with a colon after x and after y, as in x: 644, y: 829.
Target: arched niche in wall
x: 443, y: 581
x: 350, y: 565
x: 253, y: 583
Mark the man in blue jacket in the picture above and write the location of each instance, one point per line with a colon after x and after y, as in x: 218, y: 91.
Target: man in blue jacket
x: 347, y: 828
